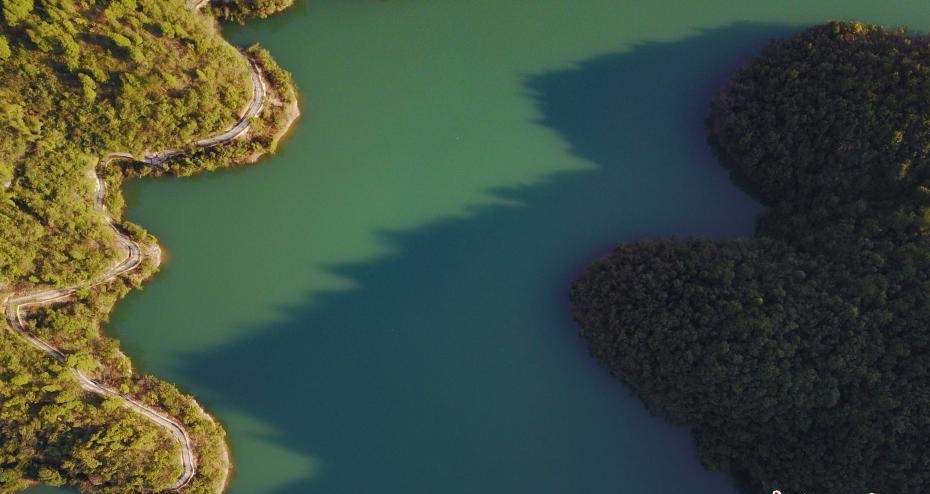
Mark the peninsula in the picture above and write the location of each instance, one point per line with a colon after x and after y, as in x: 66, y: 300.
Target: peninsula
x: 799, y: 358
x: 95, y: 92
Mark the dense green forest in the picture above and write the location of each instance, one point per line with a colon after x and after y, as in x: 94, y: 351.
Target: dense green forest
x: 799, y: 358
x: 80, y: 79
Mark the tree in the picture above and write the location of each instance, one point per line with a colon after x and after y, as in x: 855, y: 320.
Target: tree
x: 15, y: 11
x: 89, y: 87
x: 5, y: 51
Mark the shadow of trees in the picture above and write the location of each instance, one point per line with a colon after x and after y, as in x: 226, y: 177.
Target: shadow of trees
x: 454, y: 366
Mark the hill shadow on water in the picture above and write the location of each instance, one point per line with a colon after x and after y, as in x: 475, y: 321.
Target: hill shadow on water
x: 455, y: 366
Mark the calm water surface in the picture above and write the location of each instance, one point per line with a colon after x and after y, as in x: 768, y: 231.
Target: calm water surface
x: 381, y: 307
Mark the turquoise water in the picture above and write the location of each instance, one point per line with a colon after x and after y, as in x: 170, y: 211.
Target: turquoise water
x: 381, y: 307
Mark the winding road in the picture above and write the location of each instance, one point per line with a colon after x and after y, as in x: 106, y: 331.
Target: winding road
x: 17, y: 303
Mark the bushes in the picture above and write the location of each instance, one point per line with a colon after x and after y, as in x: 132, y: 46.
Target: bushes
x: 240, y: 10
x: 800, y: 358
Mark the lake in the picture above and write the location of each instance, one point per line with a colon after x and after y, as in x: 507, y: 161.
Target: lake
x: 382, y: 306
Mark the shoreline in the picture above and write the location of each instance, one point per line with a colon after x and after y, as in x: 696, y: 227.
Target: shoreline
x: 158, y: 256
x: 148, y: 252
x: 158, y: 253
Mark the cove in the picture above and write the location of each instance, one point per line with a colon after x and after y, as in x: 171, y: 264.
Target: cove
x: 382, y: 306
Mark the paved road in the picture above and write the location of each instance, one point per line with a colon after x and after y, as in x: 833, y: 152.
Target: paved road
x: 16, y: 304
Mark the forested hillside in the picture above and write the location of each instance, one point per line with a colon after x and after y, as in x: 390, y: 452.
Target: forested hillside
x: 800, y: 358
x: 80, y: 79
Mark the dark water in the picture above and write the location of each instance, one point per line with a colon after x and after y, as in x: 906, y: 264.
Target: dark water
x: 381, y: 308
